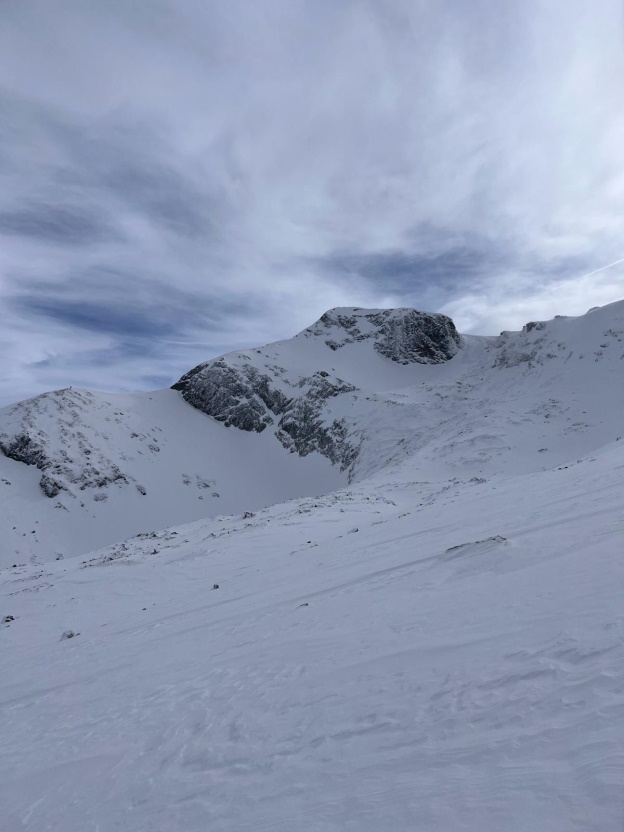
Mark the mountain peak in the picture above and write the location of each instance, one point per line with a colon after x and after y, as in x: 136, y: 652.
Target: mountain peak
x: 288, y: 383
x: 403, y: 334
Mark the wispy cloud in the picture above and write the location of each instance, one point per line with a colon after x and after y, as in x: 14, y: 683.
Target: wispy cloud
x: 182, y: 178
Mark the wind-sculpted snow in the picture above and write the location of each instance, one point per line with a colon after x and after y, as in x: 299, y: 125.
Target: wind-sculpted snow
x: 541, y: 342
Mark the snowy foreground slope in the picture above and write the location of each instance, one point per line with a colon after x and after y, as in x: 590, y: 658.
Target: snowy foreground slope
x: 357, y: 392
x: 399, y: 655
x: 433, y: 641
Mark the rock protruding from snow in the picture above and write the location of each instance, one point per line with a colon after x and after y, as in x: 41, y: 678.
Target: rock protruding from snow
x: 303, y: 429
x: 243, y: 397
x: 403, y: 335
x: 238, y: 396
x: 251, y: 393
x: 66, y: 459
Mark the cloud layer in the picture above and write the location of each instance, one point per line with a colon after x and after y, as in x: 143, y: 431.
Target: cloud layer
x: 183, y: 178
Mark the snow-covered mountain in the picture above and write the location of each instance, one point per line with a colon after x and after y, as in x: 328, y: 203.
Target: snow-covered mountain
x: 398, y: 606
x: 357, y: 392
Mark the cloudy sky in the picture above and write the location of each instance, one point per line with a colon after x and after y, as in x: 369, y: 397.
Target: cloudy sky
x: 179, y: 178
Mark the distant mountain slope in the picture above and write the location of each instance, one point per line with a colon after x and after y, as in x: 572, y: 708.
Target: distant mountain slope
x: 359, y: 391
x: 114, y: 465
x: 451, y: 404
x: 300, y: 386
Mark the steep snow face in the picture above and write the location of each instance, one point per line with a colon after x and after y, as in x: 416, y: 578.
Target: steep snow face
x: 522, y: 402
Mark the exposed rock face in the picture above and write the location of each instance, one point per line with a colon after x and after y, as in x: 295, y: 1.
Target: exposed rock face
x: 302, y: 428
x: 57, y: 475
x: 50, y: 486
x: 23, y: 448
x: 67, y: 461
x: 534, y: 325
x: 242, y: 397
x: 245, y: 398
x: 236, y: 392
x: 403, y: 335
x: 418, y: 337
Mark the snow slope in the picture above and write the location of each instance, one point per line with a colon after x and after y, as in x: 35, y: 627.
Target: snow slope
x: 176, y: 464
x: 357, y: 392
x: 401, y: 655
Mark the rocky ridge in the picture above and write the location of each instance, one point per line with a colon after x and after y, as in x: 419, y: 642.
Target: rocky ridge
x: 232, y: 390
x: 68, y: 461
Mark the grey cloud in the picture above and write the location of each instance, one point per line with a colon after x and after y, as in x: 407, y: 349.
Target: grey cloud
x: 105, y: 318
x: 55, y: 224
x: 167, y: 200
x: 409, y: 271
x: 135, y: 306
x: 129, y: 167
x: 118, y: 167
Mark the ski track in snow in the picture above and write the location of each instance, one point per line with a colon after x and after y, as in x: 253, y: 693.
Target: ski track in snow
x: 438, y: 646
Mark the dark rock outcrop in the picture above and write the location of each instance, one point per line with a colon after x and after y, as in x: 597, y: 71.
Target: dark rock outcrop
x: 64, y: 456
x: 531, y: 325
x: 242, y: 397
x: 50, y: 486
x: 417, y: 337
x: 234, y: 391
x: 58, y: 475
x: 245, y: 398
x: 23, y: 448
x: 403, y: 335
x: 302, y: 428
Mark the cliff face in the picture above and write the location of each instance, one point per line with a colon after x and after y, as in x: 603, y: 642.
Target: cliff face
x: 403, y: 335
x: 243, y: 391
x: 239, y: 396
